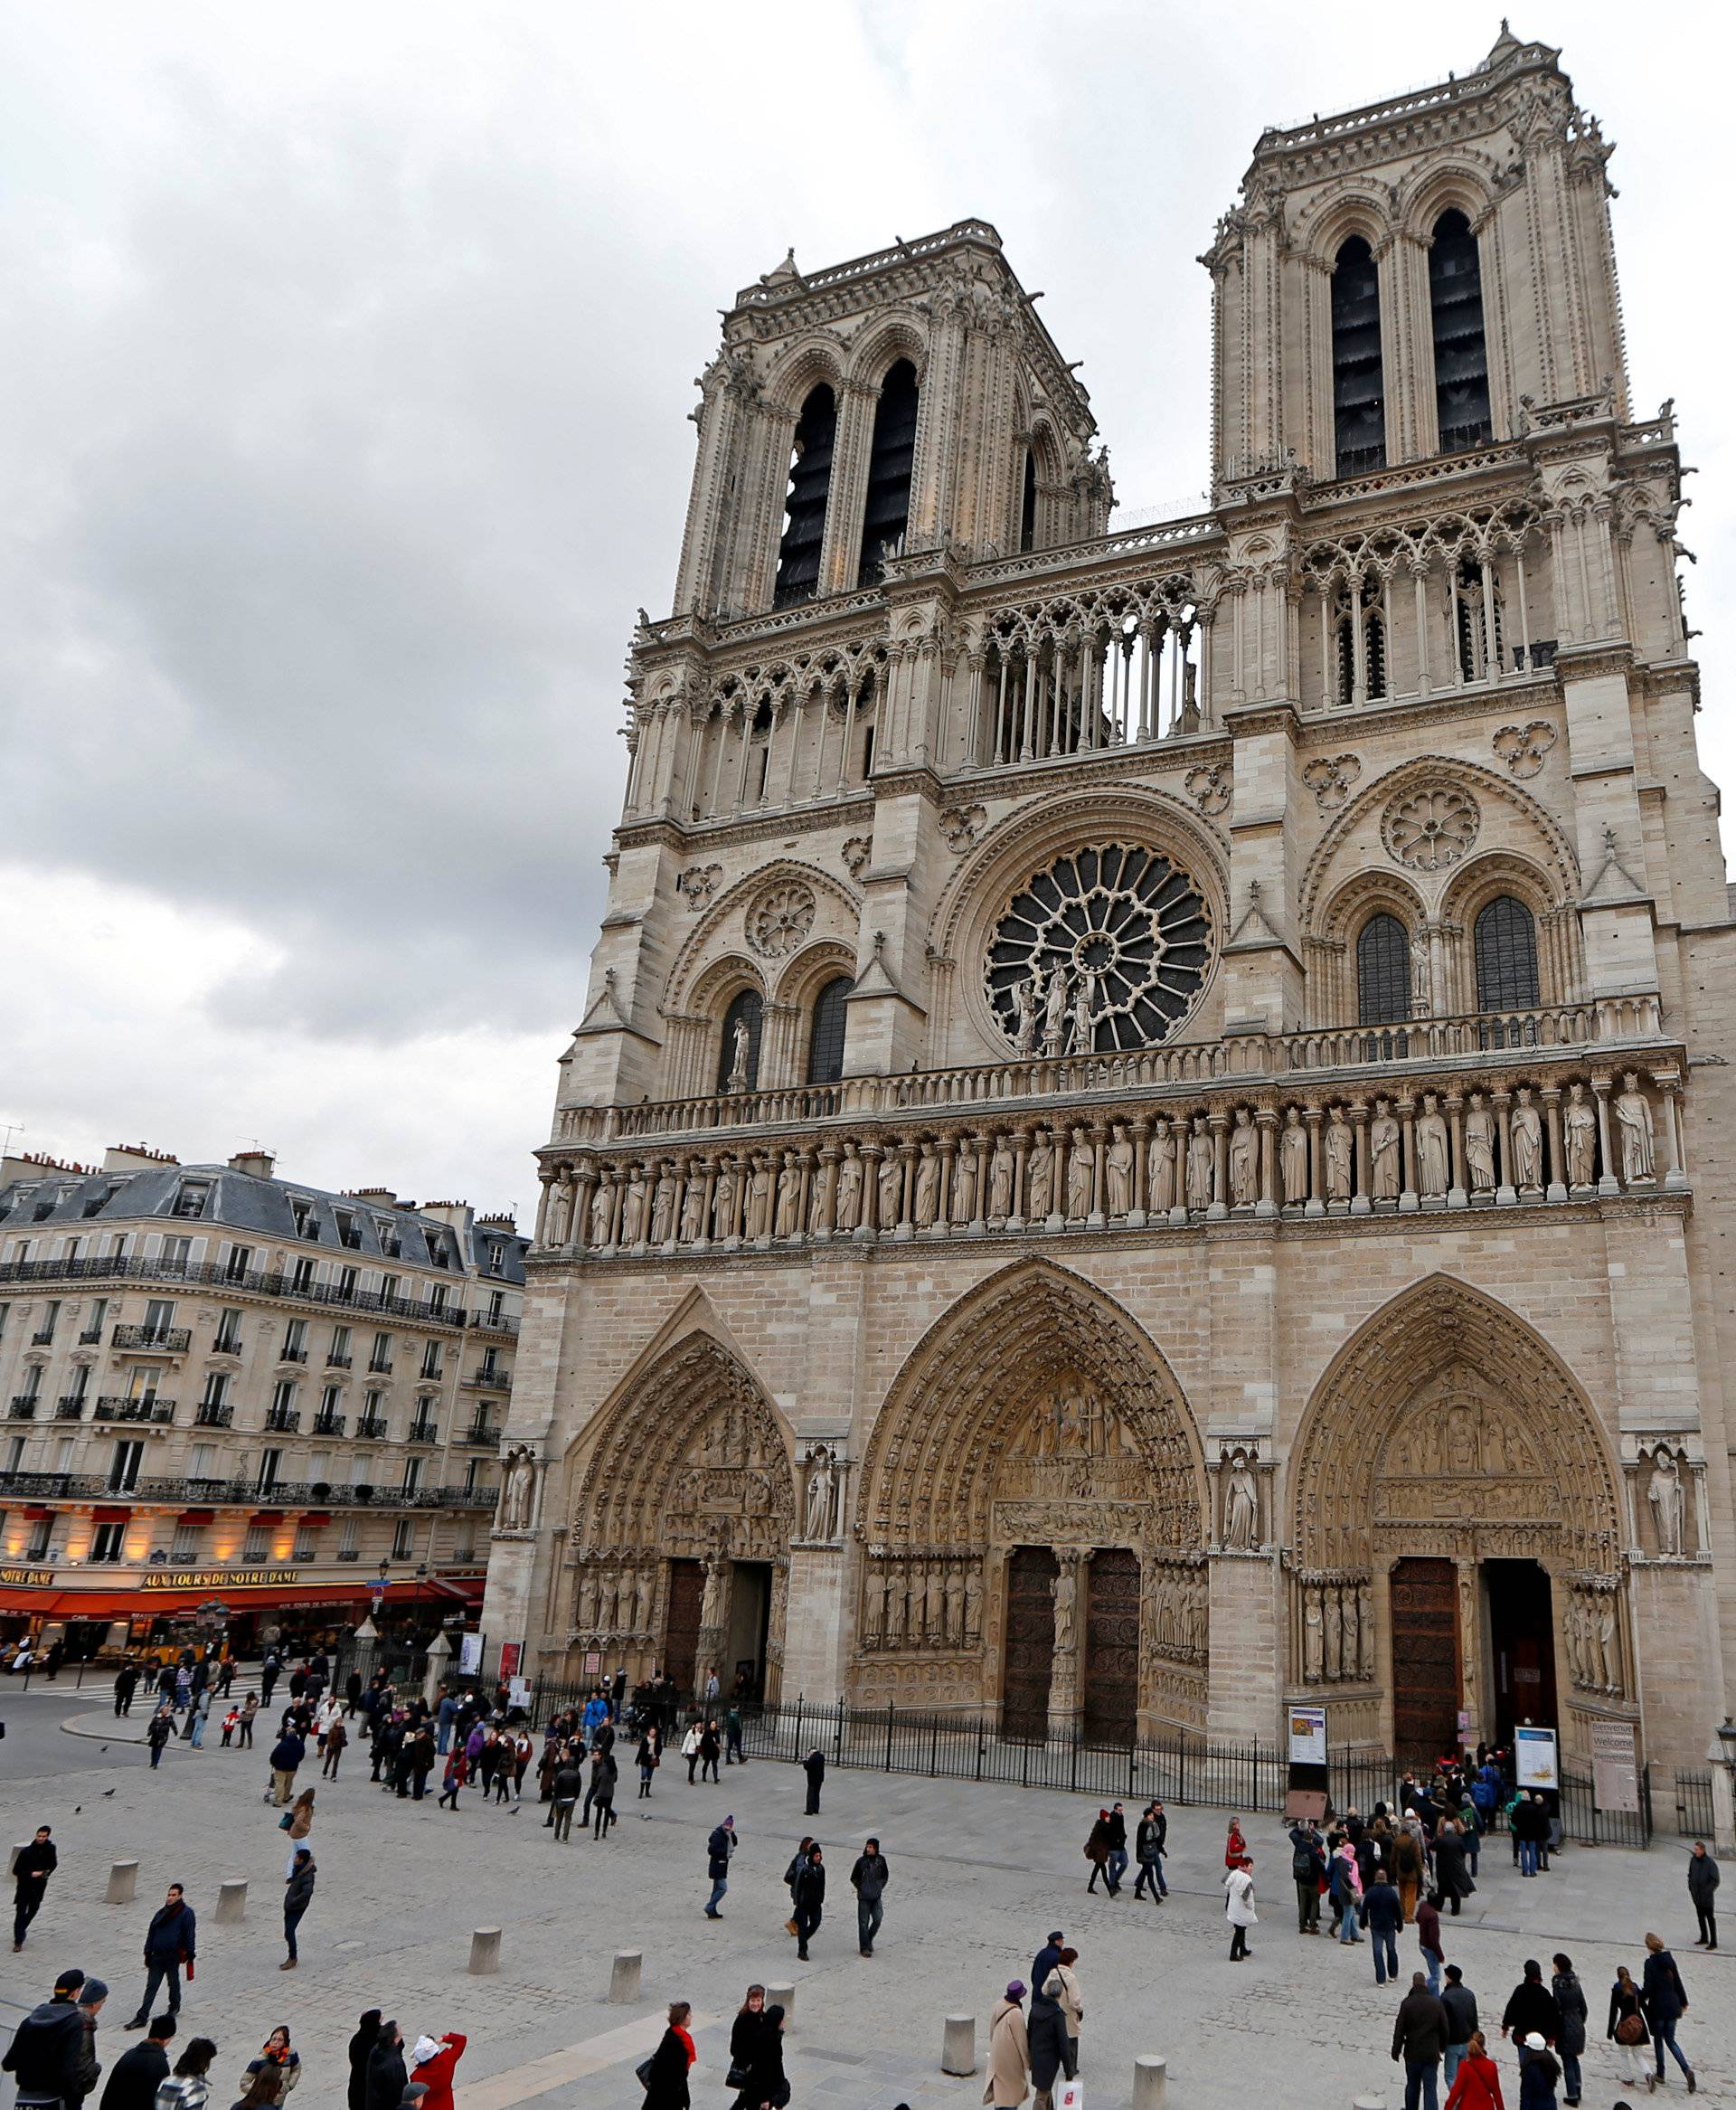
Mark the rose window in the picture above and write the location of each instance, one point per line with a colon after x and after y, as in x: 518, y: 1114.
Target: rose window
x: 1104, y: 949
x: 1431, y: 829
x: 780, y: 920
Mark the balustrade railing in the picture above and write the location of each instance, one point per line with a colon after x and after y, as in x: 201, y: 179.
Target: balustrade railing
x: 228, y: 1494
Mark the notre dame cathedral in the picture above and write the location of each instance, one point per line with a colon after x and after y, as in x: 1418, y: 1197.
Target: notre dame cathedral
x: 1151, y: 1129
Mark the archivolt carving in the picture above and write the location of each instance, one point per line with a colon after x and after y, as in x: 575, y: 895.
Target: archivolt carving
x: 691, y: 1461
x: 833, y: 902
x: 1037, y: 1396
x: 1445, y: 1412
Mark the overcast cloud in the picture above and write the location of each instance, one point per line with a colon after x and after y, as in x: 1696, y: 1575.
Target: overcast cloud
x: 343, y: 389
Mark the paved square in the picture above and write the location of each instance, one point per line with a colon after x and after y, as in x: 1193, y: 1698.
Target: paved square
x: 979, y: 1875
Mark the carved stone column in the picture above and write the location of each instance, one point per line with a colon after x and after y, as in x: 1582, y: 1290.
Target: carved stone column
x: 1360, y: 1205
x: 1457, y: 1197
x: 1141, y: 1133
x: 1407, y: 1198
x: 1097, y: 1218
x: 1315, y: 1205
x: 1606, y: 1181
x: 1218, y: 1208
x: 1266, y: 1120
x: 1021, y: 1145
x: 1556, y: 1187
x: 1505, y: 1194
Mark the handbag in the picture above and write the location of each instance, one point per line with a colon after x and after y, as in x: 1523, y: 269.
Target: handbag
x: 284, y: 1821
x: 1630, y: 2030
x: 738, y: 2075
x: 790, y: 1927
x: 642, y: 2072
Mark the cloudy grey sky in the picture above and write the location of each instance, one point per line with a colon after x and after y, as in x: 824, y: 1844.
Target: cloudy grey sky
x: 343, y: 389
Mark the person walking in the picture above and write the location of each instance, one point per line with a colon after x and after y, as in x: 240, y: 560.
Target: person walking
x: 1418, y: 2039
x: 1046, y: 2039
x: 1460, y: 2004
x: 665, y: 2073
x: 1569, y: 1995
x: 810, y: 1899
x: 1530, y: 2010
x: 767, y: 2082
x: 1429, y: 1938
x: 1627, y: 2028
x: 690, y: 1752
x: 336, y: 1738
x: 301, y: 1818
x: 137, y: 2075
x: 1477, y: 2086
x: 249, y: 1709
x: 433, y: 2063
x: 566, y: 1797
x: 36, y: 1862
x: 814, y: 1766
x: 743, y: 2031
x: 367, y: 2035
x: 452, y: 1780
x: 1383, y: 1915
x: 648, y: 1757
x: 1148, y: 1842
x: 1308, y: 1871
x: 1117, y: 1866
x: 1407, y: 1867
x: 1062, y: 1984
x: 46, y: 2055
x: 1234, y: 1844
x: 125, y: 1685
x: 1539, y: 2070
x: 1453, y: 1879
x: 1009, y: 2051
x: 157, y: 1732
x: 387, y: 2079
x: 1097, y: 1848
x: 710, y: 1749
x: 170, y: 1941
x: 602, y: 1792
x: 1238, y: 1906
x: 1347, y: 1893
x: 869, y: 1879
x: 270, y: 1673
x: 733, y: 1754
x: 199, y: 1713
x: 1702, y: 1887
x: 92, y: 1993
x: 719, y: 1847
x: 188, y: 2087
x: 278, y: 2056
x: 1665, y: 2000
x: 298, y: 1894
x: 287, y: 1755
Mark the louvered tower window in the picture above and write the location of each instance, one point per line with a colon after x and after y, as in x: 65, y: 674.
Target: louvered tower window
x: 1028, y: 504
x: 887, y: 512
x: 825, y: 1038
x: 1383, y: 972
x: 810, y: 485
x: 1506, y: 942
x: 1461, y: 351
x: 745, y: 1009
x: 1358, y: 383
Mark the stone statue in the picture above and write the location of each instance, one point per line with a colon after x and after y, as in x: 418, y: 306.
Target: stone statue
x: 1332, y: 1608
x: 1421, y: 996
x: 1581, y: 1120
x: 588, y: 1603
x: 1608, y: 1656
x: 1081, y: 1177
x: 1365, y: 1630
x: 1434, y: 1164
x: 1244, y: 1160
x: 953, y: 1631
x: 1066, y: 1594
x: 723, y: 1201
x: 1163, y: 1168
x: 663, y: 1206
x: 740, y: 1046
x: 928, y: 1188
x: 518, y: 1491
x: 1479, y: 1145
x: 1634, y: 1116
x: 642, y: 1605
x: 711, y: 1608
x: 1200, y: 1165
x: 819, y: 1493
x: 964, y: 1182
x: 1083, y: 1032
x: 1054, y: 1013
x: 1118, y: 1171
x: 602, y: 1207
x: 789, y: 1196
x: 1340, y: 1147
x: 890, y: 1182
x: 849, y: 1190
x: 1383, y: 1152
x: 973, y: 1604
x: 821, y: 1193
x: 1663, y: 1493
x: 633, y: 1210
x: 1349, y: 1603
x: 559, y: 1213
x: 1312, y: 1637
x: 1000, y: 1180
x: 1028, y: 998
x: 1240, y: 1505
x: 1293, y: 1157
x: 759, y: 1200
x: 1527, y: 1128
x: 1039, y: 1177
x: 693, y: 1207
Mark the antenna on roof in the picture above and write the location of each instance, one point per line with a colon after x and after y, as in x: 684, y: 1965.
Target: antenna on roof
x: 13, y: 1128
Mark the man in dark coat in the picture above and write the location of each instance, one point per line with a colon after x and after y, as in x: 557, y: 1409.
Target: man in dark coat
x: 1702, y: 1887
x: 125, y: 1685
x: 287, y: 1755
x: 1451, y: 1882
x: 386, y: 2076
x: 1149, y: 1842
x: 1531, y: 2008
x: 1308, y: 1868
x: 362, y: 2046
x: 92, y: 1995
x: 810, y: 1895
x: 720, y: 1845
x: 1383, y: 1915
x: 1460, y: 2004
x: 1568, y: 1996
x: 35, y: 1864
x: 133, y: 2078
x: 1047, y: 1957
x: 1045, y: 2032
x: 170, y: 1941
x: 1665, y: 2000
x: 298, y: 1894
x: 1418, y: 2033
x: 869, y: 1879
x: 46, y: 2055
x: 814, y: 1766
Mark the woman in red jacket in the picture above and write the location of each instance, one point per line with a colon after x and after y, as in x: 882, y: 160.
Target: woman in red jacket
x: 1234, y: 1846
x: 1478, y: 2084
x: 433, y: 2064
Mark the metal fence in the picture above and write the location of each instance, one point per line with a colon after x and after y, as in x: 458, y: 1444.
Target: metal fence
x: 1583, y: 1820
x: 1694, y: 1814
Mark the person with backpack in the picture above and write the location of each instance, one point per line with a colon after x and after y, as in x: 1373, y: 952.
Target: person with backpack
x: 1308, y: 1868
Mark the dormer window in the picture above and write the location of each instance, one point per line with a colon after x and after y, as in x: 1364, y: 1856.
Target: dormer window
x: 191, y: 1197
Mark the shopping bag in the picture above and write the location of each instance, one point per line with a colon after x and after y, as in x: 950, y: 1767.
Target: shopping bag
x: 1069, y: 2095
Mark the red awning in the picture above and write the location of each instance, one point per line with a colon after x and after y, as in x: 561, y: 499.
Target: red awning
x: 197, y: 1517
x: 314, y: 1518
x: 37, y: 1516
x: 265, y: 1517
x: 118, y: 1603
x: 111, y: 1515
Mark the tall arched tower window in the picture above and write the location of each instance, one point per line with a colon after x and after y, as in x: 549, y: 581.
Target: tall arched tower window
x: 1461, y: 351
x: 825, y: 1036
x: 887, y: 512
x: 1505, y: 939
x: 1382, y: 971
x: 737, y: 1068
x: 810, y: 486
x: 1028, y: 503
x: 1358, y: 382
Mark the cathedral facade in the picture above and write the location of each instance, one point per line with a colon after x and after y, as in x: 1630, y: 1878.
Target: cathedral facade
x: 1150, y: 1139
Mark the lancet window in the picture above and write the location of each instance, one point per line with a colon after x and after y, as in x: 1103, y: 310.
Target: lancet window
x: 887, y: 510
x: 1461, y: 349
x: 810, y: 485
x: 1358, y: 381
x: 1382, y: 971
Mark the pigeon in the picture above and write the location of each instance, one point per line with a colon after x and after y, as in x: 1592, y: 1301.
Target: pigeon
x: 107, y: 1793
x: 78, y: 1809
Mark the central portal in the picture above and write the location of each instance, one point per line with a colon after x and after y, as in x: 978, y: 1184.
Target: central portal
x: 1425, y: 1660
x: 1522, y: 1644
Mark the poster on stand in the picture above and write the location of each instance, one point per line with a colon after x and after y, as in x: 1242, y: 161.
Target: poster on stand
x: 1533, y: 1758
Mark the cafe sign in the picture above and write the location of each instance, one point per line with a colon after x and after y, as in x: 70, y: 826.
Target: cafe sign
x: 26, y: 1578
x: 217, y: 1578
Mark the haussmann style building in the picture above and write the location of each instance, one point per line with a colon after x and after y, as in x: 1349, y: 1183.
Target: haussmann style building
x: 1151, y: 1137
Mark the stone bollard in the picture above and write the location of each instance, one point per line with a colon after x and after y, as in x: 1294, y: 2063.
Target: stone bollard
x: 624, y: 1978
x: 782, y: 1996
x: 1150, y: 2083
x: 232, y: 1902
x: 123, y: 1882
x: 959, y: 2045
x: 1368, y: 2103
x: 485, y: 1952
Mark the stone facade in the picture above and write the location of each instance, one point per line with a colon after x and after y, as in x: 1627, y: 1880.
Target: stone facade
x: 1149, y: 1136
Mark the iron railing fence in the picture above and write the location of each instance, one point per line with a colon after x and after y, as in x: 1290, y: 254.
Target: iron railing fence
x: 1583, y: 1820
x: 1693, y: 1812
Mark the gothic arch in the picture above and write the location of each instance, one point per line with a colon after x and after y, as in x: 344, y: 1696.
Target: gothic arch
x: 1464, y: 179
x: 890, y: 338
x: 833, y: 899
x: 970, y: 1387
x: 1442, y: 1330
x: 1329, y: 221
x: 817, y: 356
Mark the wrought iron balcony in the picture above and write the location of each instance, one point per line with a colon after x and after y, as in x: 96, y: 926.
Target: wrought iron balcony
x: 209, y: 1416
x: 369, y: 1427
x: 422, y: 1432
x: 152, y: 1268
x: 485, y: 1380
x: 90, y: 1337
x: 43, y: 1338
x: 334, y: 1361
x: 172, y: 1340
x: 283, y: 1421
x: 70, y: 1407
x: 328, y: 1425
x: 380, y: 1367
x: 172, y: 1490
x: 481, y: 1432
x: 289, y: 1355
x: 23, y: 1408
x: 159, y: 1413
x: 483, y: 1323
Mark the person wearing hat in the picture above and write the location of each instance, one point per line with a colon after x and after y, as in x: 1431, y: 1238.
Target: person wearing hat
x: 1530, y: 2008
x: 137, y: 2074
x: 1539, y: 2070
x: 414, y: 2095
x: 46, y: 2055
x: 92, y: 1995
x: 433, y: 2063
x: 1009, y: 2051
x: 1047, y: 1957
